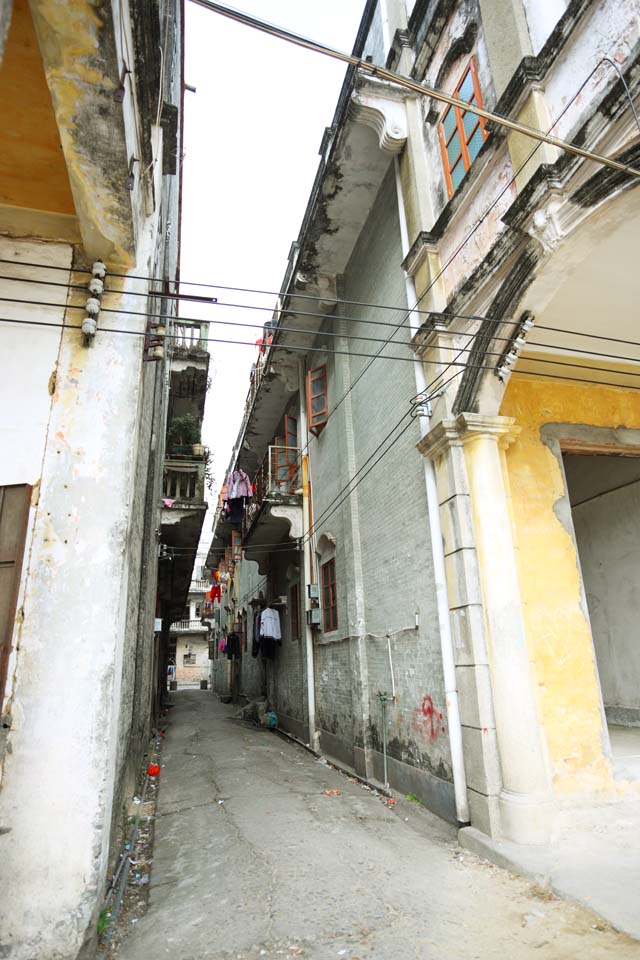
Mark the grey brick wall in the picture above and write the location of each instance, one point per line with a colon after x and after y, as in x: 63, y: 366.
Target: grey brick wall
x: 383, y: 554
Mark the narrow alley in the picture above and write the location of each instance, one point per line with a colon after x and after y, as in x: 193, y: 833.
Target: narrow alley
x: 254, y: 859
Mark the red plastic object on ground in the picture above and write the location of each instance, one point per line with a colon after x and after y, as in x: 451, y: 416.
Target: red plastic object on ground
x: 153, y: 769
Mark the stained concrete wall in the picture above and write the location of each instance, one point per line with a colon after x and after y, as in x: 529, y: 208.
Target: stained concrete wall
x: 192, y: 672
x: 383, y: 557
x: 607, y: 531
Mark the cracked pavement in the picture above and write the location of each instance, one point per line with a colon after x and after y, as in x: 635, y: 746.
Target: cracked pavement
x: 253, y: 861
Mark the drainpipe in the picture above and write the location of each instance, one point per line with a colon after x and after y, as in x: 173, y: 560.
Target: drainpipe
x: 437, y: 549
x: 306, y: 549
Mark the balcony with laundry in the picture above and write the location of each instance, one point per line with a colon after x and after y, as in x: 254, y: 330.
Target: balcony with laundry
x: 274, y: 514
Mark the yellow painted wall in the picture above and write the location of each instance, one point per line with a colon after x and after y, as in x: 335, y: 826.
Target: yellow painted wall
x: 557, y: 627
x: 33, y: 171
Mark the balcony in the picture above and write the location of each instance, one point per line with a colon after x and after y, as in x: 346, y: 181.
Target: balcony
x: 188, y: 626
x: 274, y: 515
x: 200, y: 586
x: 184, y: 478
x: 190, y: 337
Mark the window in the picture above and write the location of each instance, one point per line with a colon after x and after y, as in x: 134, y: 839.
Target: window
x: 285, y: 465
x: 329, y: 598
x: 188, y: 659
x: 461, y: 132
x: 317, y: 407
x: 295, y: 611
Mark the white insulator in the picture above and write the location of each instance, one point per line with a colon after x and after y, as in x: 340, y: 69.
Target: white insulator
x: 158, y: 353
x: 89, y: 327
x: 99, y: 269
x: 526, y: 325
x: 511, y: 358
x: 519, y: 342
x: 503, y: 373
x: 92, y: 306
x: 96, y: 286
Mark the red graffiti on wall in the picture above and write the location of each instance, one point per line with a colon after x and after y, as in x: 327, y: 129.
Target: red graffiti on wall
x: 429, y: 719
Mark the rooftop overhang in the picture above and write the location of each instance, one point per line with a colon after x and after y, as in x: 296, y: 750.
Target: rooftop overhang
x: 355, y: 159
x: 276, y: 523
x: 181, y: 527
x: 69, y: 136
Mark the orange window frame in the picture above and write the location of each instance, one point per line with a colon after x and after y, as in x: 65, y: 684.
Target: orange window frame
x: 459, y: 128
x: 317, y: 419
x: 329, y: 596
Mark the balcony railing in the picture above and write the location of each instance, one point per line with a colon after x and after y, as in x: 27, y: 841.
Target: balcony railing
x: 183, y: 479
x: 279, y: 476
x: 200, y: 586
x: 190, y: 335
x: 187, y: 626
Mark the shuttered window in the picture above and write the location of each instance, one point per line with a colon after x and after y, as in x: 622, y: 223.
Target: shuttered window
x: 329, y: 596
x: 317, y: 404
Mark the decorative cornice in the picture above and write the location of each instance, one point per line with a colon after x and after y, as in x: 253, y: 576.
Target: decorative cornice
x: 467, y: 428
x: 380, y: 105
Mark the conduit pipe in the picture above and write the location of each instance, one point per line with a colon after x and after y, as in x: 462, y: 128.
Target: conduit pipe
x: 306, y: 559
x: 437, y: 549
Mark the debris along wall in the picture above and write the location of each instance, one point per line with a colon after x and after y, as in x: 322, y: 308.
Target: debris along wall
x: 383, y: 557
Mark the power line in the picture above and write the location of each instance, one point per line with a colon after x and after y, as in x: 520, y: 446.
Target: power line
x: 426, y: 91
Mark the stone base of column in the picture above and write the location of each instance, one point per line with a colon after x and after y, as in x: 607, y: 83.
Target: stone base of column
x: 524, y: 818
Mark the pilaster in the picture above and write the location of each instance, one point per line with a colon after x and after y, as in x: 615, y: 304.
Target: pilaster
x: 504, y: 758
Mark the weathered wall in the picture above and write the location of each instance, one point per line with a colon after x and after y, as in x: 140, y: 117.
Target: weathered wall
x: 553, y: 601
x: 75, y: 657
x: 607, y: 531
x: 192, y: 672
x: 383, y: 557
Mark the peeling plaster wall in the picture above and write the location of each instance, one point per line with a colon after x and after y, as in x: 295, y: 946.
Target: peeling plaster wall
x: 192, y: 672
x: 553, y: 599
x: 73, y: 672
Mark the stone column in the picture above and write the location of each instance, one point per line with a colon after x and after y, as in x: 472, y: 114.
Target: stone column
x: 523, y: 801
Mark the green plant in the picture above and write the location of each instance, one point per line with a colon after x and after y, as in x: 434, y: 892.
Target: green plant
x: 412, y: 798
x: 103, y: 920
x: 183, y: 431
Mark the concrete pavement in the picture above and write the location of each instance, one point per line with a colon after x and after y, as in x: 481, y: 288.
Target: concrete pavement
x: 253, y: 860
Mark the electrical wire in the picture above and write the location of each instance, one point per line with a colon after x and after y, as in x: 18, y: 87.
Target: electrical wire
x: 468, y: 237
x: 420, y: 88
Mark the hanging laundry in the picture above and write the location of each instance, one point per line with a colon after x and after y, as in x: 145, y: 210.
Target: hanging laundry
x: 233, y: 646
x: 270, y: 624
x: 236, y: 511
x: 255, y: 641
x: 238, y: 485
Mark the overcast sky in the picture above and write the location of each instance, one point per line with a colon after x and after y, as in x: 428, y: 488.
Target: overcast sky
x: 252, y: 134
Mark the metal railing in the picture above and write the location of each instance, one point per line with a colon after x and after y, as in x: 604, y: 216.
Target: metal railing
x: 278, y: 476
x: 187, y: 626
x: 190, y: 335
x: 200, y: 586
x: 183, y: 480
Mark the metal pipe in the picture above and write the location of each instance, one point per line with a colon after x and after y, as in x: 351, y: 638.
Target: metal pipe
x: 393, y: 679
x: 421, y: 89
x: 383, y: 703
x: 306, y: 549
x: 437, y: 550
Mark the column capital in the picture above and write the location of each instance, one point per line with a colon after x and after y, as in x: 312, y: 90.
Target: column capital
x: 467, y: 428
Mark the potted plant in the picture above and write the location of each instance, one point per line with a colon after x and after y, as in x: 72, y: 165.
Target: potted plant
x: 183, y: 435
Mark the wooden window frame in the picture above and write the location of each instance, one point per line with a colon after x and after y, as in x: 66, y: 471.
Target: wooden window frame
x: 463, y: 156
x: 295, y: 611
x: 329, y: 596
x: 11, y: 559
x: 317, y: 421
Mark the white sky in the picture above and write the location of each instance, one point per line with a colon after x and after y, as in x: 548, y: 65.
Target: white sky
x: 252, y: 134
